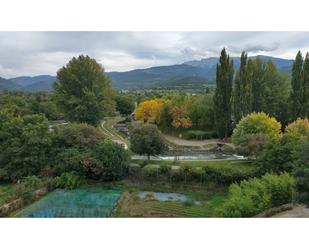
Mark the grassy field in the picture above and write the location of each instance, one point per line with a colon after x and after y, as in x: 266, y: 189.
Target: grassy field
x: 130, y: 205
x: 6, y: 192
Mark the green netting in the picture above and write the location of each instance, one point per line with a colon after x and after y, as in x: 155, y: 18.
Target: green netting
x: 83, y: 202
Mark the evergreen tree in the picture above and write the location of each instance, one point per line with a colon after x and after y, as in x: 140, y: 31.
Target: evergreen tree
x: 223, y: 95
x: 296, y: 94
x: 305, y: 87
x: 243, y: 89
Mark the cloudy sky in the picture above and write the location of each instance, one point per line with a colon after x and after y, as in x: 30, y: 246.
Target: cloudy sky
x: 34, y: 53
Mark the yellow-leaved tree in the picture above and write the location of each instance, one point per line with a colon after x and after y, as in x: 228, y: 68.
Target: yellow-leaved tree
x: 149, y: 110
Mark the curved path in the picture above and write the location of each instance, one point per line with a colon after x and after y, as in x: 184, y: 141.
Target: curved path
x: 298, y: 211
x: 107, y: 129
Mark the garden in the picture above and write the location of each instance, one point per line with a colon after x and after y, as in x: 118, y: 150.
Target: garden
x: 77, y: 152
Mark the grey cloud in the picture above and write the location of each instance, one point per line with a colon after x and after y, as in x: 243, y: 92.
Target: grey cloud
x: 30, y: 53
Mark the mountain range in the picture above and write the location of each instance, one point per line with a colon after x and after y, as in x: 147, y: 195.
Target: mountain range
x: 192, y: 72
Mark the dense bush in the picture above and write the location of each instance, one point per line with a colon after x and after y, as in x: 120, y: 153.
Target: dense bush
x: 279, y: 154
x: 251, y: 144
x: 250, y: 197
x: 72, y: 145
x: 27, y: 186
x: 24, y: 145
x: 198, y: 134
x: 69, y: 180
x: 256, y: 123
x: 110, y: 161
x: 299, y: 129
x: 228, y: 175
x: 151, y: 170
x: 301, y: 173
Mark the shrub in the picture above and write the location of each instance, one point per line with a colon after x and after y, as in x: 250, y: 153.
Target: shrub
x: 301, y: 173
x: 279, y: 154
x: 110, y: 161
x: 31, y: 182
x: 69, y: 180
x: 256, y: 123
x: 27, y: 186
x: 151, y: 170
x: 228, y: 175
x: 165, y: 169
x: 250, y: 197
x: 299, y: 129
x: 281, y: 188
x: 251, y: 144
x: 228, y: 149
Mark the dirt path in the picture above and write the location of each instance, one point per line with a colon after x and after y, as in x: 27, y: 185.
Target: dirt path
x: 107, y: 129
x: 298, y: 211
x: 193, y: 143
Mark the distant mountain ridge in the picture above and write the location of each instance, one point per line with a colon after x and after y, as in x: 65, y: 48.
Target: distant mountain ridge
x: 204, y: 69
x: 192, y: 72
x: 36, y: 83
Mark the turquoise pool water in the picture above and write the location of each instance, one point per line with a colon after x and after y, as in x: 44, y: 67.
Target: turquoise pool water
x: 83, y: 202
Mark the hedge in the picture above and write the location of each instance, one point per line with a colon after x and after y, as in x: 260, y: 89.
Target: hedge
x: 251, y: 197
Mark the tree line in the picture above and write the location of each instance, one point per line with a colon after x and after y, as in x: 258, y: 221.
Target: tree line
x: 258, y: 86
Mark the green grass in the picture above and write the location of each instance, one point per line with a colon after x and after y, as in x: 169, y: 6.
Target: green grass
x: 7, y: 193
x: 132, y: 206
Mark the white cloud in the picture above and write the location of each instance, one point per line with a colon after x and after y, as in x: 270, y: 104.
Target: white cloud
x: 32, y: 53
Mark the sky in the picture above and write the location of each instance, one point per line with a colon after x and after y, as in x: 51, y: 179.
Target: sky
x: 37, y: 53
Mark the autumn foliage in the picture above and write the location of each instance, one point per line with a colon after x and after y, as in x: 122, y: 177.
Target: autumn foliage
x: 149, y: 110
x: 180, y: 117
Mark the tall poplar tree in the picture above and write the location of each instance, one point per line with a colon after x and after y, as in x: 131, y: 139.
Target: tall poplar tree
x: 296, y: 94
x: 242, y: 96
x: 305, y: 86
x: 223, y: 95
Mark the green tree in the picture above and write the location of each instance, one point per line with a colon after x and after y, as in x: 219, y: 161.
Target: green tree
x: 270, y: 90
x: 110, y: 161
x: 24, y: 145
x: 147, y: 139
x: 242, y: 95
x: 258, y: 71
x: 256, y: 123
x: 201, y: 112
x: 275, y: 93
x: 305, y: 87
x: 297, y: 94
x: 124, y: 104
x: 223, y: 95
x: 84, y: 91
